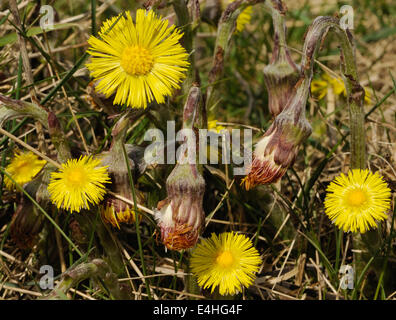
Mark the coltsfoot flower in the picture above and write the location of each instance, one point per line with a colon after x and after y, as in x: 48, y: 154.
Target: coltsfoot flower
x: 357, y: 201
x: 227, y: 262
x: 180, y: 216
x: 23, y: 168
x: 277, y: 150
x: 116, y: 212
x: 138, y: 62
x: 78, y: 184
x: 243, y: 18
x: 320, y: 87
x: 280, y: 77
x: 212, y: 11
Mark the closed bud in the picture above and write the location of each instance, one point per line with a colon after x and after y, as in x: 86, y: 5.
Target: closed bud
x: 280, y: 77
x: 26, y: 224
x: 27, y: 221
x: 115, y: 211
x: 181, y: 216
x: 277, y: 150
x: 282, y: 74
x: 77, y: 232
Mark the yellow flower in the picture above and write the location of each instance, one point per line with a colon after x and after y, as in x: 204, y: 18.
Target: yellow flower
x: 78, y: 184
x: 336, y: 84
x: 139, y: 62
x: 243, y: 18
x: 357, y: 201
x: 213, y: 126
x: 212, y: 151
x: 111, y: 215
x: 227, y: 262
x: 23, y: 167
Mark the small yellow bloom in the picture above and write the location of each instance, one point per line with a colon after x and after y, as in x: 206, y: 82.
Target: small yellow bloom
x: 357, y: 201
x: 23, y: 168
x: 244, y: 18
x: 139, y: 62
x: 227, y: 262
x: 212, y: 150
x: 320, y: 87
x: 213, y: 126
x: 110, y: 214
x: 78, y: 184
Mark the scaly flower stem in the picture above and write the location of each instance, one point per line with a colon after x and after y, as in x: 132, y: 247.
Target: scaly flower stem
x: 225, y: 31
x: 355, y: 93
x: 188, y: 21
x: 277, y: 11
x: 47, y: 118
x: 367, y: 244
x: 24, y: 108
x: 96, y: 269
x: 139, y: 240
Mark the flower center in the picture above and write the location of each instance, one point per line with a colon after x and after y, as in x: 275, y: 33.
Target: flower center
x: 225, y: 259
x: 356, y: 197
x: 137, y: 61
x: 76, y: 177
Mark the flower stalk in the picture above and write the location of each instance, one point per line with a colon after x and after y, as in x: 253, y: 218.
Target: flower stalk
x: 98, y: 270
x: 367, y: 244
x: 355, y: 92
x: 188, y: 19
x: 226, y: 28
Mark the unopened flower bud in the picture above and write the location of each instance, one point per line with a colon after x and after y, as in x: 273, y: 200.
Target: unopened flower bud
x: 180, y: 216
x: 77, y: 232
x: 114, y: 210
x: 282, y: 74
x: 280, y: 78
x: 98, y: 100
x: 26, y: 224
x: 277, y: 150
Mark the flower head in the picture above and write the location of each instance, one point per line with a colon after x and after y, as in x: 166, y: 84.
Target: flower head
x: 321, y: 87
x: 213, y: 9
x: 23, y: 168
x: 139, y: 62
x: 228, y: 262
x: 277, y: 150
x: 180, y: 216
x: 78, y: 184
x: 213, y: 126
x: 243, y: 18
x: 116, y: 212
x: 280, y: 77
x: 356, y: 201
